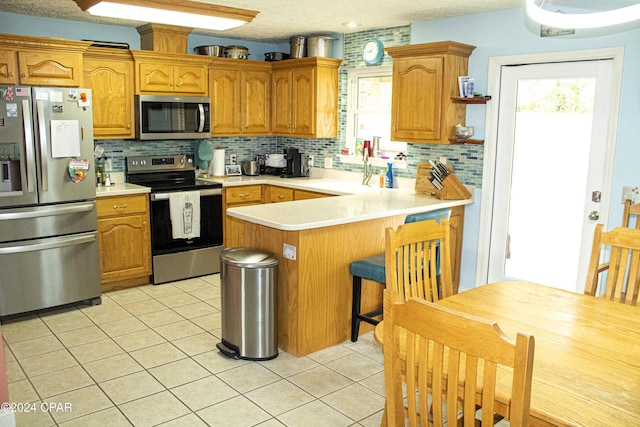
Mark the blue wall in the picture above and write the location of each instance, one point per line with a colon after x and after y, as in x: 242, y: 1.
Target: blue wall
x: 509, y: 32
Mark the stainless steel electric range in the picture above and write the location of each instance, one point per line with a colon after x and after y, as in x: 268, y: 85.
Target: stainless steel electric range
x: 186, y: 216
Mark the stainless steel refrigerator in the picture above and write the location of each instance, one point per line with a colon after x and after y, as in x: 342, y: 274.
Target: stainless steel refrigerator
x: 48, y: 238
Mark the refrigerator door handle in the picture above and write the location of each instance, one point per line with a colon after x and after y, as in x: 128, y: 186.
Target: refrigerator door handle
x: 52, y: 243
x: 42, y: 130
x: 58, y: 210
x: 28, y: 146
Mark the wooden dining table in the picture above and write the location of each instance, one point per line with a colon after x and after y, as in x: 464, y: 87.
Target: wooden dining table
x: 587, y: 350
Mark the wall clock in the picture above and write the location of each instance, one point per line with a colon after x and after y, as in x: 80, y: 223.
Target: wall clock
x: 372, y: 52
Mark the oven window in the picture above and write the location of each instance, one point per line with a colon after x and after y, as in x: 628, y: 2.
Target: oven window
x: 162, y: 241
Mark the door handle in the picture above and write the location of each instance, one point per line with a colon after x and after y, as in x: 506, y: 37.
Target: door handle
x: 594, y: 215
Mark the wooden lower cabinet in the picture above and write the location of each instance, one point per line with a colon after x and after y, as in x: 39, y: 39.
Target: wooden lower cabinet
x: 233, y: 197
x: 304, y: 195
x: 275, y: 194
x: 124, y: 240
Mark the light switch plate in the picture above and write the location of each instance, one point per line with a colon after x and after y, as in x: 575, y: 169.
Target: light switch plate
x: 289, y: 252
x: 632, y: 193
x: 328, y: 163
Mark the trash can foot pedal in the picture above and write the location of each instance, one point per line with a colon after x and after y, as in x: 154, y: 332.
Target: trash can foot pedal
x: 228, y: 349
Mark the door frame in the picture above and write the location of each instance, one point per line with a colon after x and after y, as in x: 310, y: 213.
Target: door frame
x: 615, y: 54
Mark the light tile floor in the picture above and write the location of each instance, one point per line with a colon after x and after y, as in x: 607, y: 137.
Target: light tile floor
x: 147, y: 356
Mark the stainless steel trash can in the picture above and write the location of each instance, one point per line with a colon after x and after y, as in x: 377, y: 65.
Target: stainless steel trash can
x: 248, y: 303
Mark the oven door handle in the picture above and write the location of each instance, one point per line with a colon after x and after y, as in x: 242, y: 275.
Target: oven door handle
x: 203, y: 193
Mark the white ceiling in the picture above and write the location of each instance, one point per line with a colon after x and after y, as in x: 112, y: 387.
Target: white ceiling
x: 280, y: 19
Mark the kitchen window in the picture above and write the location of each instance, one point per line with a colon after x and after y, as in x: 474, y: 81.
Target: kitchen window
x: 369, y: 112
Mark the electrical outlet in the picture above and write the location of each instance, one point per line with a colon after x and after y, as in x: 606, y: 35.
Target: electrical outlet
x: 443, y: 160
x: 233, y: 159
x: 310, y: 160
x: 289, y: 252
x: 328, y: 163
x: 632, y: 193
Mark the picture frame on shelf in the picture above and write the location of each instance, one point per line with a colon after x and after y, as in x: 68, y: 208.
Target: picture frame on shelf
x: 233, y: 170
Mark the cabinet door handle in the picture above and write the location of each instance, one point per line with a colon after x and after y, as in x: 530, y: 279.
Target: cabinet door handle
x: 119, y: 206
x: 281, y: 196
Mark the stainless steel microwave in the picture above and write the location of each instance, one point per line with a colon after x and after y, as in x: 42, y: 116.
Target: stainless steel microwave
x: 172, y: 117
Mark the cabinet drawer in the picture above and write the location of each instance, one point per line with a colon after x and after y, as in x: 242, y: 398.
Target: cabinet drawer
x: 122, y: 205
x: 304, y: 195
x: 278, y: 194
x: 246, y: 193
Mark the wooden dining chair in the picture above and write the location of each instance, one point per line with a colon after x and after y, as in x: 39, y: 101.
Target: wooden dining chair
x: 629, y: 211
x: 414, y: 253
x: 452, y: 362
x: 373, y: 268
x: 622, y: 247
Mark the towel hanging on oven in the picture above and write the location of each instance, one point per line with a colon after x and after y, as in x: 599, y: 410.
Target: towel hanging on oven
x: 184, y: 210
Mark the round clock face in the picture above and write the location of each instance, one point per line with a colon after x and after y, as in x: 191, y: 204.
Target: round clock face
x: 372, y: 51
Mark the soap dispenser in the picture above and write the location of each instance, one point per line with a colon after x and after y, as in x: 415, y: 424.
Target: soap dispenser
x: 388, y: 179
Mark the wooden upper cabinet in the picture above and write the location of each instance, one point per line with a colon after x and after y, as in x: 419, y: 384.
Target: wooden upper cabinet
x: 240, y: 94
x: 41, y: 68
x: 256, y: 102
x: 281, y: 100
x: 109, y: 75
x: 305, y: 97
x: 224, y: 90
x: 41, y: 61
x: 8, y: 67
x: 170, y: 73
x: 425, y: 78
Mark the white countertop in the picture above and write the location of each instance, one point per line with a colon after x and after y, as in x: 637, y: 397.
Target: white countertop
x: 121, y: 189
x: 353, y: 203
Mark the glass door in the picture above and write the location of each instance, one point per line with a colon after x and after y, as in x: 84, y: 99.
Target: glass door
x: 553, y: 124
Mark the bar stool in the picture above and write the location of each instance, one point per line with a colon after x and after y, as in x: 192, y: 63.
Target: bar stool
x: 372, y: 268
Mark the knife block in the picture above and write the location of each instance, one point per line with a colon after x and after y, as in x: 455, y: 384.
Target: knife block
x: 453, y: 188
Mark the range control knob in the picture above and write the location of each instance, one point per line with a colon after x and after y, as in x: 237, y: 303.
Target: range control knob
x: 143, y: 162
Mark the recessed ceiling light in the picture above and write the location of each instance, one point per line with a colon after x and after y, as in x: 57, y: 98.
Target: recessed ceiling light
x: 352, y: 24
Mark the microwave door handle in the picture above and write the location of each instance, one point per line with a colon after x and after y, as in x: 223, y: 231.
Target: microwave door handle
x: 201, y: 109
x: 42, y: 130
x: 28, y: 146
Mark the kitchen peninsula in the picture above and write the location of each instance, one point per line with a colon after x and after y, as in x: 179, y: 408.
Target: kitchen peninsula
x: 327, y: 234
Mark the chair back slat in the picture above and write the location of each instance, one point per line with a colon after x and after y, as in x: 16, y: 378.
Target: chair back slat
x: 452, y: 358
x: 628, y: 211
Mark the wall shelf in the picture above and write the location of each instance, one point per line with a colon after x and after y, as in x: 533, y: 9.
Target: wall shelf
x: 466, y: 141
x: 468, y: 101
x: 475, y: 100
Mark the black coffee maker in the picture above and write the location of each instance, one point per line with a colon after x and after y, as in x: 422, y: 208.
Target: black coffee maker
x: 296, y: 164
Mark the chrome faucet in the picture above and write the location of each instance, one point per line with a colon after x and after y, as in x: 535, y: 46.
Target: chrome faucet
x: 366, y: 174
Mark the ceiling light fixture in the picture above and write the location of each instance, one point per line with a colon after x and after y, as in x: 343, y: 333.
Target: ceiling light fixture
x: 352, y: 24
x: 181, y: 13
x: 607, y: 18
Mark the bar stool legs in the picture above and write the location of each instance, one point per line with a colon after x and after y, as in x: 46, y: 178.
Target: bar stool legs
x: 356, y: 316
